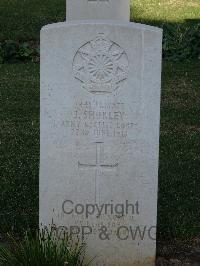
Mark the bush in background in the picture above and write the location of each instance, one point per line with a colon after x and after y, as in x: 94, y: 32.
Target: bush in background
x: 181, y: 41
x: 14, y: 52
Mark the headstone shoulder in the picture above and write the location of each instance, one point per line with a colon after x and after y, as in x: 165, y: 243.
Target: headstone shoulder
x: 133, y: 25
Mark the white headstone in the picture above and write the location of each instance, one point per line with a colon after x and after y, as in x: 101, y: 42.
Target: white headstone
x: 98, y: 9
x: 100, y: 112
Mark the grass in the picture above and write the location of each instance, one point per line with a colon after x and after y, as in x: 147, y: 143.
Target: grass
x: 179, y: 173
x: 179, y: 180
x: 19, y: 136
x: 170, y: 11
x: 22, y: 20
x: 43, y: 248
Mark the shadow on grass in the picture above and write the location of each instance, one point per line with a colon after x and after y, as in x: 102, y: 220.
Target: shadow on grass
x: 180, y: 40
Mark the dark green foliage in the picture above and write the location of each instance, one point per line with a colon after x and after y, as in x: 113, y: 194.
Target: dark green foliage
x: 15, y: 52
x: 43, y: 249
x: 181, y: 41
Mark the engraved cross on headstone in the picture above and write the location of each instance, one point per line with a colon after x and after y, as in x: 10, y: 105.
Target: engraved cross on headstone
x: 98, y: 9
x: 99, y: 168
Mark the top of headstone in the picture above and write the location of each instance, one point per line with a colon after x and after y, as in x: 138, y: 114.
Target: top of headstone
x: 98, y: 9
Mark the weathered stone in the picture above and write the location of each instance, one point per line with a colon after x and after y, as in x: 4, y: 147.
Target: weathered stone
x: 100, y: 111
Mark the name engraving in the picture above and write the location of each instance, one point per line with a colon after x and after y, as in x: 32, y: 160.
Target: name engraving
x: 99, y: 119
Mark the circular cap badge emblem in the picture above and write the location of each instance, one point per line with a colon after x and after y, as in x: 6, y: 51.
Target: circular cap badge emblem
x: 100, y: 65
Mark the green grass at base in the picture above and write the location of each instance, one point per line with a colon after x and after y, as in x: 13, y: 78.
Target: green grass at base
x: 179, y: 174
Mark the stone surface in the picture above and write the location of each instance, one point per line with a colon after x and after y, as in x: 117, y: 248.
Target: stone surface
x: 98, y: 9
x: 100, y: 111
